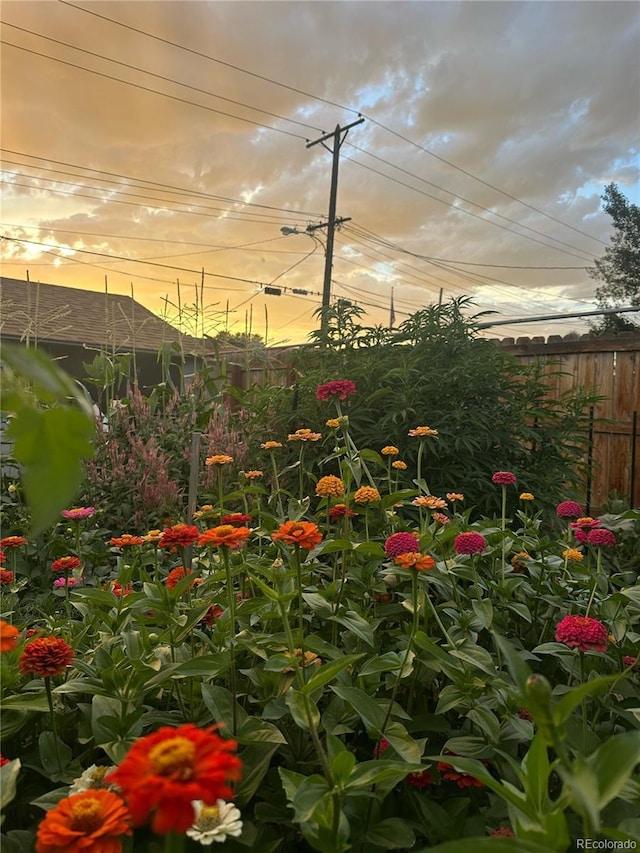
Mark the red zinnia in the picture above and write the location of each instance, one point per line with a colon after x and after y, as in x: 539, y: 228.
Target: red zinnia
x: 212, y: 614
x: 4, y: 760
x: 502, y: 832
x: 418, y: 779
x: 236, y: 518
x: 469, y: 543
x: 117, y: 589
x: 3, y: 556
x: 569, y: 509
x: 629, y: 660
x: 380, y: 747
x: 6, y: 577
x: 179, y: 536
x: 302, y: 533
x: 225, y: 534
x: 13, y: 541
x: 176, y: 575
x: 504, y: 478
x: 462, y: 780
x: 582, y: 633
x: 164, y: 772
x: 401, y: 543
x: 45, y: 656
x: 339, y: 511
x: 340, y: 388
x: 88, y: 822
x: 65, y: 564
x: 601, y: 536
x: 8, y: 636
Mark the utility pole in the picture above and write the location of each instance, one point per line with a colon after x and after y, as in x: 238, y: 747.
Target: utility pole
x: 339, y: 135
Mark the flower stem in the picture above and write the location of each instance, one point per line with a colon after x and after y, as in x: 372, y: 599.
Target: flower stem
x: 504, y: 524
x: 174, y: 843
x: 54, y: 729
x: 232, y: 622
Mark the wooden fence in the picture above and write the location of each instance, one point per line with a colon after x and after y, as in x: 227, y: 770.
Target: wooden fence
x: 609, y: 368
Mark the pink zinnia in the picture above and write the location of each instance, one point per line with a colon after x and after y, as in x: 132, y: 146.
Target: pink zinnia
x: 340, y: 388
x: 602, y: 536
x: 569, y: 509
x: 68, y: 582
x: 401, y: 543
x: 78, y: 513
x: 582, y: 633
x: 380, y: 747
x: 469, y: 543
x: 504, y: 478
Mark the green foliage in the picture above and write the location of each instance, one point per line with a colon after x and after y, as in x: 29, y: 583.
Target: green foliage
x: 618, y: 270
x: 51, y: 425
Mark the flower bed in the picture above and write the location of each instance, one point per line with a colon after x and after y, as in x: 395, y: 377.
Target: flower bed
x: 321, y: 660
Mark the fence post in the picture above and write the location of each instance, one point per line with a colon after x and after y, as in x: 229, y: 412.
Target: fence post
x: 589, y: 462
x: 634, y: 436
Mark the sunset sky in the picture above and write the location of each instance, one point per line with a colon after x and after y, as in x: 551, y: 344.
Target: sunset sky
x: 146, y: 141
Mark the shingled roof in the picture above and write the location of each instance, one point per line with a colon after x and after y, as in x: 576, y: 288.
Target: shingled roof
x: 56, y: 314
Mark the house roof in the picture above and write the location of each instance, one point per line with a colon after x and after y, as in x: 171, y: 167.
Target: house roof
x: 56, y: 314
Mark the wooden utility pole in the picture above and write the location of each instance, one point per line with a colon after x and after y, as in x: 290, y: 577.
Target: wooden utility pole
x: 339, y: 135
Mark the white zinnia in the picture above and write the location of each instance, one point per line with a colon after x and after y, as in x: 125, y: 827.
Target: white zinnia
x: 92, y: 778
x: 214, y: 823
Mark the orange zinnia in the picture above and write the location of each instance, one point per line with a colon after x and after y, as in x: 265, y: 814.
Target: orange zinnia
x: 225, y: 534
x: 422, y: 431
x: 163, y: 773
x: 126, y: 540
x: 219, y: 459
x: 302, y: 533
x: 88, y: 822
x: 8, y: 636
x: 330, y: 486
x: 414, y: 560
x: 366, y: 495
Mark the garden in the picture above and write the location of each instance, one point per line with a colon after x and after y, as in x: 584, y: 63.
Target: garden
x: 365, y: 611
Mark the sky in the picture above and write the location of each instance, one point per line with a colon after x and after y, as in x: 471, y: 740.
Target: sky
x: 157, y: 148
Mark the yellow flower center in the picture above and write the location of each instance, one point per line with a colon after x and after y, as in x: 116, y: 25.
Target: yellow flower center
x: 174, y: 757
x: 208, y: 818
x: 86, y: 816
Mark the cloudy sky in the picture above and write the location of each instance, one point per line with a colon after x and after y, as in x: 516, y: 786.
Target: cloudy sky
x: 144, y: 142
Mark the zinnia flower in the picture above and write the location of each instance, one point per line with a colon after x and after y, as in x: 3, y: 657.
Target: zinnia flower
x: 92, y: 779
x: 6, y: 577
x: 366, y: 495
x: 212, y: 614
x: 454, y: 496
x: 330, y: 486
x: 502, y: 832
x: 333, y: 423
x: 176, y: 575
x: 215, y: 823
x: 302, y: 533
x: 399, y: 465
x: 235, y: 518
x: 253, y: 475
x: 469, y: 543
x: 270, y: 445
x: 45, y: 656
x: 224, y: 534
x: 462, y: 780
x: 418, y: 779
x: 583, y: 633
x: 219, y: 459
x: 585, y: 523
x: 504, y: 478
x: 572, y: 555
x: 602, y: 537
x: 400, y: 543
x: 118, y: 590
x: 65, y: 564
x: 339, y: 511
x: 8, y: 636
x: 340, y: 388
x: 441, y: 518
x: 633, y: 662
x: 4, y: 760
x: 422, y: 432
x: 164, y: 772
x: 68, y: 582
x: 179, y: 536
x: 569, y: 509
x: 380, y: 747
x: 78, y: 513
x: 415, y: 560
x: 126, y: 541
x: 13, y: 541
x: 304, y: 435
x: 153, y: 536
x: 88, y: 822
x: 389, y: 450
x: 429, y: 501
x: 526, y: 496
x: 3, y: 557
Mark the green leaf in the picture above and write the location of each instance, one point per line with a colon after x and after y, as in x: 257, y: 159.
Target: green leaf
x: 537, y: 769
x: 484, y: 611
x: 220, y: 702
x: 391, y: 834
x: 209, y: 666
x: 255, y: 730
x: 327, y: 672
x: 517, y: 666
x: 50, y: 383
x: 564, y: 708
x: 365, y: 707
x: 8, y: 779
x: 486, y: 721
x: 26, y: 702
x: 302, y: 709
x: 359, y: 626
x: 256, y: 760
x: 54, y: 754
x: 368, y: 773
x: 482, y: 844
x: 613, y: 763
x: 331, y: 545
x: 50, y: 444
